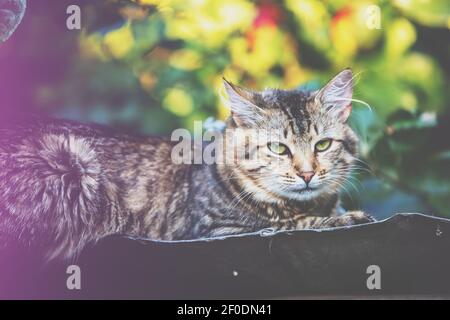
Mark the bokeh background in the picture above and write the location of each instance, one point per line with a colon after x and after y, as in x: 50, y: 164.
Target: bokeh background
x: 150, y: 66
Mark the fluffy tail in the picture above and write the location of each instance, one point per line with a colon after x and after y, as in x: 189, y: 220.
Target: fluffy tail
x: 51, y: 188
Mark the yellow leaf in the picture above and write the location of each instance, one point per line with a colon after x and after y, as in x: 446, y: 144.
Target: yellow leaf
x: 401, y: 35
x: 120, y: 41
x: 185, y: 59
x: 179, y: 102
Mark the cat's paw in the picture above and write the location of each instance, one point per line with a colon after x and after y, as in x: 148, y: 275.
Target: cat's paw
x: 352, y: 218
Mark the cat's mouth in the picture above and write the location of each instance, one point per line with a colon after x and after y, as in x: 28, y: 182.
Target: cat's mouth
x: 307, y: 189
x: 303, y: 193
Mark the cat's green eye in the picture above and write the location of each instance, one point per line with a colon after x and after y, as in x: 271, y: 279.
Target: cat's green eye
x: 323, y: 145
x: 278, y: 148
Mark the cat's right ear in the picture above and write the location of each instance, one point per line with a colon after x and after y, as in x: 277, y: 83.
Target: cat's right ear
x: 243, y: 111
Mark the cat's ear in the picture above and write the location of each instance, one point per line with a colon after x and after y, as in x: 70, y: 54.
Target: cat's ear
x: 243, y: 111
x: 336, y: 95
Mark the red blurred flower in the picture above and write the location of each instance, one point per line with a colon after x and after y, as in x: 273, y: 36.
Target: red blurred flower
x: 269, y: 15
x: 341, y: 14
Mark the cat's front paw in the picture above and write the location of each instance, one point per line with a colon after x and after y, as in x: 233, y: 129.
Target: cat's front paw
x: 352, y: 218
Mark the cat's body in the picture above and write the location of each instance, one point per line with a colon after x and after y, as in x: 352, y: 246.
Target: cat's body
x: 64, y: 185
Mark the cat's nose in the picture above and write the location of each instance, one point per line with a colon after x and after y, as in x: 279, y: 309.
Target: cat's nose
x: 307, y: 175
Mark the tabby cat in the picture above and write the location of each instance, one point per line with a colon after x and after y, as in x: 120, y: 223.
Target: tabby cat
x: 64, y: 185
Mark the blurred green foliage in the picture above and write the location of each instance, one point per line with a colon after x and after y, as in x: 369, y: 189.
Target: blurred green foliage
x: 155, y: 65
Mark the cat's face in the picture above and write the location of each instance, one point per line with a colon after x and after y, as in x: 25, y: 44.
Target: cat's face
x: 298, y: 144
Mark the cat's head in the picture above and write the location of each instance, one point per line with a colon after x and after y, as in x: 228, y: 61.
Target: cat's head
x: 297, y: 144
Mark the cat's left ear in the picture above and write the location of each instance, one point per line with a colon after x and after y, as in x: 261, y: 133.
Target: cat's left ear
x: 337, y: 94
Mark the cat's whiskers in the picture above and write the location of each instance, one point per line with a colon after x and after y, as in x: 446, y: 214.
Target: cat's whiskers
x: 238, y: 198
x: 340, y: 186
x: 345, y: 175
x: 362, y: 164
x: 348, y: 177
